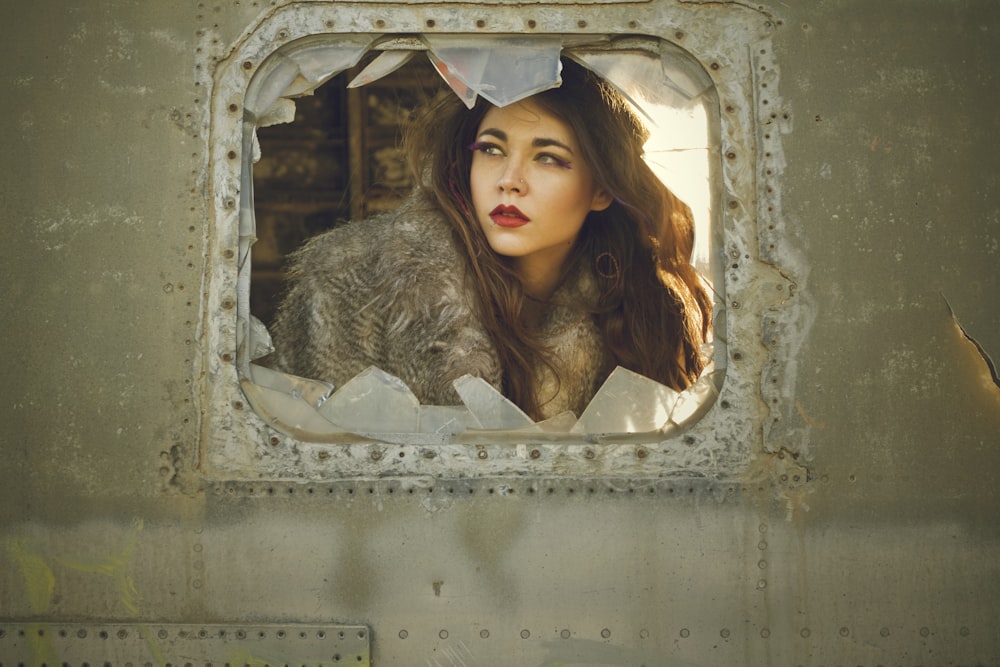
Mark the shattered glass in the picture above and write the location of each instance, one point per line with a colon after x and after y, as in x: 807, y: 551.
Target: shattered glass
x: 502, y: 70
x: 491, y: 409
x: 373, y: 400
x: 627, y: 403
x: 657, y: 77
x: 378, y: 405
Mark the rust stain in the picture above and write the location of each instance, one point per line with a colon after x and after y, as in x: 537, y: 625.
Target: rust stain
x: 814, y: 423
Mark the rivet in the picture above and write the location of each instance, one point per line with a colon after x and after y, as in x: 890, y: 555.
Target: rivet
x: 731, y: 155
x: 581, y: 24
x: 226, y: 357
x: 564, y: 634
x: 443, y: 634
x: 233, y: 108
x: 238, y: 405
x: 762, y: 545
x: 714, y: 66
x: 230, y: 202
x: 588, y: 453
x: 482, y: 454
x: 964, y: 631
x: 532, y: 23
x: 761, y: 584
x: 679, y: 35
x: 274, y: 441
x: 733, y: 204
x: 525, y: 634
x: 122, y: 634
x: 643, y: 634
x: 642, y: 453
x: 430, y: 23
x: 845, y: 631
x: 228, y: 304
x: 605, y: 633
x: 805, y: 633
x: 737, y: 356
x: 231, y: 155
x: 247, y: 65
x: 685, y: 633
x: 765, y: 633
x: 724, y: 405
x: 925, y: 631
x: 162, y: 634
x: 535, y: 454
x: 633, y: 24
x: 762, y: 564
x: 376, y: 454
x: 480, y: 23
x: 380, y: 23
x: 485, y: 634
x: 734, y: 305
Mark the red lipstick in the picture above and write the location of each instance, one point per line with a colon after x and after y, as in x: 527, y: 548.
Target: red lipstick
x: 508, y: 216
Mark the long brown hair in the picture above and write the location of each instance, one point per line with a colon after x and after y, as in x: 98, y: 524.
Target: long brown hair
x: 653, y: 313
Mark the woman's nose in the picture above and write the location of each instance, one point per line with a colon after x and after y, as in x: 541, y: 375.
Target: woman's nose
x: 512, y: 180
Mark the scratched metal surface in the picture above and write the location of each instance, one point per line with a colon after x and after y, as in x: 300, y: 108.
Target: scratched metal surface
x: 859, y: 528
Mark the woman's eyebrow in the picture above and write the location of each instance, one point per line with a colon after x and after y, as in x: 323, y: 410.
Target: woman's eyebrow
x: 543, y: 142
x: 538, y: 142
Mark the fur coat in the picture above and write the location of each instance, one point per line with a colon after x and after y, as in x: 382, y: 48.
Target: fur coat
x: 393, y: 292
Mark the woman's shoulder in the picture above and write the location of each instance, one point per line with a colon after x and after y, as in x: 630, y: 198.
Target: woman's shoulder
x: 411, y: 237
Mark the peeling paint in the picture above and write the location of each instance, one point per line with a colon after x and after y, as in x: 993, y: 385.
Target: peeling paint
x: 989, y: 371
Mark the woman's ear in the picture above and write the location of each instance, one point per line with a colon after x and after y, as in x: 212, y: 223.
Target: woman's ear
x: 601, y: 200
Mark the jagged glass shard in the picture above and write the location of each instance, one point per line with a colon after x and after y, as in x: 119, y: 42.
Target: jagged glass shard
x: 501, y: 69
x: 300, y: 67
x: 466, y: 94
x: 694, y: 402
x: 627, y: 403
x: 491, y: 408
x: 561, y: 423
x: 670, y: 80
x: 384, y: 65
x: 285, y: 412
x: 260, y: 339
x: 373, y: 402
x: 446, y: 419
x: 313, y: 392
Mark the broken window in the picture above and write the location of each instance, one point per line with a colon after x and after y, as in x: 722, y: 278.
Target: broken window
x: 347, y: 165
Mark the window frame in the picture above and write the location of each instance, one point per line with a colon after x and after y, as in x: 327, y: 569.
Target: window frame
x: 237, y: 442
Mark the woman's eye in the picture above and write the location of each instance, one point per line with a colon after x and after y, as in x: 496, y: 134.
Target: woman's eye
x: 555, y: 160
x: 485, y: 148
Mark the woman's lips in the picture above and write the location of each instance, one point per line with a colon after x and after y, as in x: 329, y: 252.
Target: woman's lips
x: 508, y: 216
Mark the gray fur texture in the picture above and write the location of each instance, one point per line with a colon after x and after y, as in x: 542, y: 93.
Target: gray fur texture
x: 393, y: 292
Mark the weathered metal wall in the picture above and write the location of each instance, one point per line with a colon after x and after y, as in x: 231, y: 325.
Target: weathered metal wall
x: 862, y: 528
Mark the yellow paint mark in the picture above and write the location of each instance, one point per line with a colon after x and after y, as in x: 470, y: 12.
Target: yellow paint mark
x: 39, y: 583
x: 115, y: 565
x: 38, y: 577
x: 154, y: 647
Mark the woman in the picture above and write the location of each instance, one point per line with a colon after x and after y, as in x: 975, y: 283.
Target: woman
x: 539, y: 252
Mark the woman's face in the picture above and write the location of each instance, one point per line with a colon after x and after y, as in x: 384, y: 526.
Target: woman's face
x: 531, y: 189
